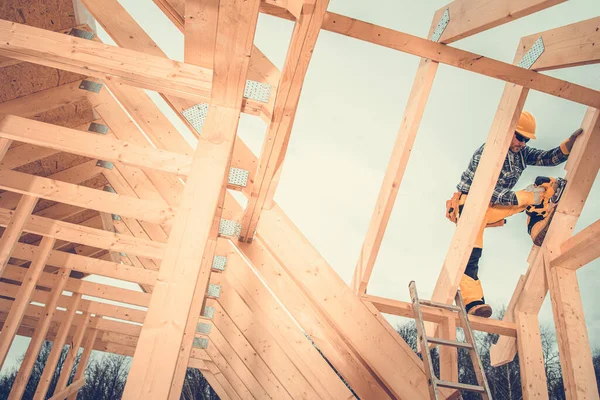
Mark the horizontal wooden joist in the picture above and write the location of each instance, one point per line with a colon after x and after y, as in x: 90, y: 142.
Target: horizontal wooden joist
x: 103, y: 61
x: 98, y: 238
x: 404, y: 309
x: 92, y: 145
x: 85, y: 197
x: 580, y: 249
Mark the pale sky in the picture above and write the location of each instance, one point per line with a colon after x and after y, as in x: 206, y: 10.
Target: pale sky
x: 351, y: 107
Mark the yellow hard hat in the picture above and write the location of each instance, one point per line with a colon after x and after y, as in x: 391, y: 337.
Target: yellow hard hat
x: 526, y: 125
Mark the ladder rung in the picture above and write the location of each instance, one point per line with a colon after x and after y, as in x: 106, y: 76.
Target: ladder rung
x: 461, y: 386
x: 450, y: 307
x: 449, y: 343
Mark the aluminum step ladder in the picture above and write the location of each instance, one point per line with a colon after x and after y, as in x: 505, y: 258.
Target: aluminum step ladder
x: 424, y: 340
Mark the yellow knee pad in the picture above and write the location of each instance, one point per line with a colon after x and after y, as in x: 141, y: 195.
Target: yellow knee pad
x: 470, y: 289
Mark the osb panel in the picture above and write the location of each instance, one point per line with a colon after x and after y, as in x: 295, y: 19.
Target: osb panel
x: 69, y: 115
x: 46, y: 14
x: 52, y: 164
x: 82, y: 216
x: 26, y: 78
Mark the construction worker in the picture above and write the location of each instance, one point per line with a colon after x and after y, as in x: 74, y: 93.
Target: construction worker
x: 505, y: 202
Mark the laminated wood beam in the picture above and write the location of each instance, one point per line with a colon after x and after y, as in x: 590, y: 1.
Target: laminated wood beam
x: 84, y: 197
x: 180, y: 271
x: 571, y: 333
x: 304, y: 38
x: 17, y: 311
x: 263, y: 304
x: 404, y: 309
x: 221, y: 366
x: 469, y: 17
x: 580, y: 249
x: 88, y: 236
x: 394, y: 363
x: 568, y: 46
x: 14, y: 226
x: 38, y: 337
x: 582, y: 168
x: 460, y: 59
x: 531, y: 359
x: 125, y: 31
x: 92, y: 145
x: 104, y: 61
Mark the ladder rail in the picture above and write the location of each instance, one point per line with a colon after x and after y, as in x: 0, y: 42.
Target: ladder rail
x: 427, y: 364
x: 473, y: 352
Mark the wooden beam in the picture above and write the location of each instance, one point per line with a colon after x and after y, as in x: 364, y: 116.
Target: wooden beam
x: 221, y: 366
x: 394, y: 174
x: 84, y: 197
x: 72, y: 389
x: 580, y: 249
x: 582, y: 168
x: 448, y: 354
x: 469, y: 17
x: 4, y: 146
x: 304, y: 37
x: 531, y: 357
x: 568, y: 46
x: 67, y: 366
x: 38, y: 337
x: 404, y: 309
x: 14, y: 227
x: 92, y: 145
x: 180, y: 270
x: 85, y: 356
x: 116, y: 64
x: 17, y: 311
x: 459, y: 58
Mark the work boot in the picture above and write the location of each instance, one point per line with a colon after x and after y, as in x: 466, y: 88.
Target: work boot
x: 538, y: 221
x: 481, y: 310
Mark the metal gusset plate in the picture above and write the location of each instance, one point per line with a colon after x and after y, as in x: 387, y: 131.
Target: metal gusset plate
x: 238, y: 177
x: 229, y: 228
x: 98, y: 128
x: 105, y: 164
x: 200, y: 343
x: 257, y: 91
x: 532, y: 54
x: 441, y: 26
x: 209, y: 312
x: 203, y: 328
x: 196, y: 115
x: 82, y: 34
x: 213, y: 290
x: 90, y: 86
x: 219, y: 263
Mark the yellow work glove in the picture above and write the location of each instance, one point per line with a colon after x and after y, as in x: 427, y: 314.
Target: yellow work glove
x: 567, y: 145
x: 530, y: 196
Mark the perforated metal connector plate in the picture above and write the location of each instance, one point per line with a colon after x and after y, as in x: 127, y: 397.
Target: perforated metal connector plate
x: 441, y: 26
x: 116, y: 217
x: 238, y: 177
x: 98, y: 128
x: 90, y: 86
x: 532, y: 54
x: 209, y: 312
x: 196, y: 115
x: 229, y: 228
x: 121, y: 253
x: 219, y: 263
x: 203, y: 328
x: 257, y: 91
x: 82, y: 34
x: 108, y: 188
x: 105, y: 164
x: 213, y: 290
x: 200, y: 343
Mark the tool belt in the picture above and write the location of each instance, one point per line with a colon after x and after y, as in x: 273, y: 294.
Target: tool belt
x: 453, y: 211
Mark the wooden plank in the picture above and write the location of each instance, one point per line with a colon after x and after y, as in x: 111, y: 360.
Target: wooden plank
x: 73, y: 389
x: 469, y: 17
x: 85, y: 356
x: 531, y: 359
x: 14, y: 227
x: 4, y: 146
x: 448, y: 354
x: 580, y: 249
x: 116, y: 64
x: 85, y: 197
x: 498, y: 141
x: 304, y: 37
x: 153, y: 367
x: 17, y: 311
x: 38, y: 337
x: 67, y: 366
x: 92, y: 145
x: 221, y: 365
x: 89, y: 236
x: 496, y: 357
x: 582, y: 168
x: 394, y: 363
x: 459, y: 58
x: 571, y: 333
x: 568, y: 46
x: 394, y: 174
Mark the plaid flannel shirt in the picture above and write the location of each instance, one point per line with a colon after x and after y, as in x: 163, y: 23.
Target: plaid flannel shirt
x: 513, y: 167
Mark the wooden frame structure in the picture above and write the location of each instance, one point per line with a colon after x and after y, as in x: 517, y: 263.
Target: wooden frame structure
x: 97, y: 180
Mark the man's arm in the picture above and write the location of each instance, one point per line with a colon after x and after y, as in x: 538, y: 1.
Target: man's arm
x: 553, y: 157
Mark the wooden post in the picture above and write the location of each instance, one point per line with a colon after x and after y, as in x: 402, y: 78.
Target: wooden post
x: 531, y: 357
x: 65, y: 373
x: 38, y: 337
x: 17, y: 311
x: 13, y: 231
x: 448, y: 354
x: 85, y: 357
x: 57, y: 347
x: 153, y: 367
